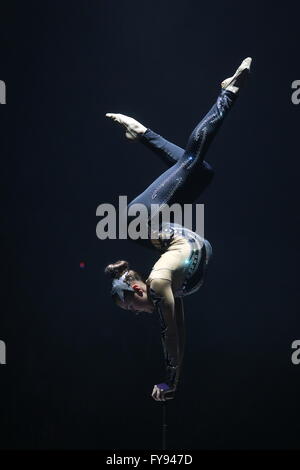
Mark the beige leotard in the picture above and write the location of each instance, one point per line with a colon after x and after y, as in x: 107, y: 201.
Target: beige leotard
x: 172, y: 263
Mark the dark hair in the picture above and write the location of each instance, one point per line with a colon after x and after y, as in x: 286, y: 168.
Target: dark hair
x: 117, y: 269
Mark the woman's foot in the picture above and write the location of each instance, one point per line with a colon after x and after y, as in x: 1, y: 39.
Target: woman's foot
x: 134, y: 129
x: 234, y: 83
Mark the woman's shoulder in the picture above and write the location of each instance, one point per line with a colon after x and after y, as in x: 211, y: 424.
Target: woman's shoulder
x: 158, y: 287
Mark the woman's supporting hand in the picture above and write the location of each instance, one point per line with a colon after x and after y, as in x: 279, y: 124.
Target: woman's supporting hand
x: 162, y: 392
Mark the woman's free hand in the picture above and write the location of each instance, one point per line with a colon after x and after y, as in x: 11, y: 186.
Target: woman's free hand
x: 162, y: 392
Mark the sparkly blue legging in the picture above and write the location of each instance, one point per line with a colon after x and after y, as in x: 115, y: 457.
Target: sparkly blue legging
x: 188, y: 174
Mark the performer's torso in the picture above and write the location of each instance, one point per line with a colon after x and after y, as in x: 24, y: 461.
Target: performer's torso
x: 182, y: 260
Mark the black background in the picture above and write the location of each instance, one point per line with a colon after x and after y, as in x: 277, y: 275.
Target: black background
x: 79, y: 370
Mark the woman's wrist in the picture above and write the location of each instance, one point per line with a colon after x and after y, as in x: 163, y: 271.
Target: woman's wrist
x: 172, y: 376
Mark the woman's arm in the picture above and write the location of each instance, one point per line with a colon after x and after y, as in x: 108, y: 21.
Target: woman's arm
x: 181, y: 336
x: 181, y: 331
x: 172, y: 337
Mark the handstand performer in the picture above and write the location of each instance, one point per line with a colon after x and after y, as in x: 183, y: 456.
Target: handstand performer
x: 181, y: 268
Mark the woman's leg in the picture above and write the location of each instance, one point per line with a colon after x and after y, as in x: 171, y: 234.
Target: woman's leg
x: 174, y: 185
x: 205, y: 131
x: 135, y: 131
x: 170, y: 187
x: 169, y: 152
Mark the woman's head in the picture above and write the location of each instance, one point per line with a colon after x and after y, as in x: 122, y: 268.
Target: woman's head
x: 131, y: 292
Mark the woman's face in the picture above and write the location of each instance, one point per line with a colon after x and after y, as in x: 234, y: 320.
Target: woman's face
x: 137, y: 302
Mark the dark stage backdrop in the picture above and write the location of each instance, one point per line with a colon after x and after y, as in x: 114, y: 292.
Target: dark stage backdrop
x: 80, y: 371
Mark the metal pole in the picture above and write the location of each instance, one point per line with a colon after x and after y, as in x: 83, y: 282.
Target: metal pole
x: 164, y: 426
